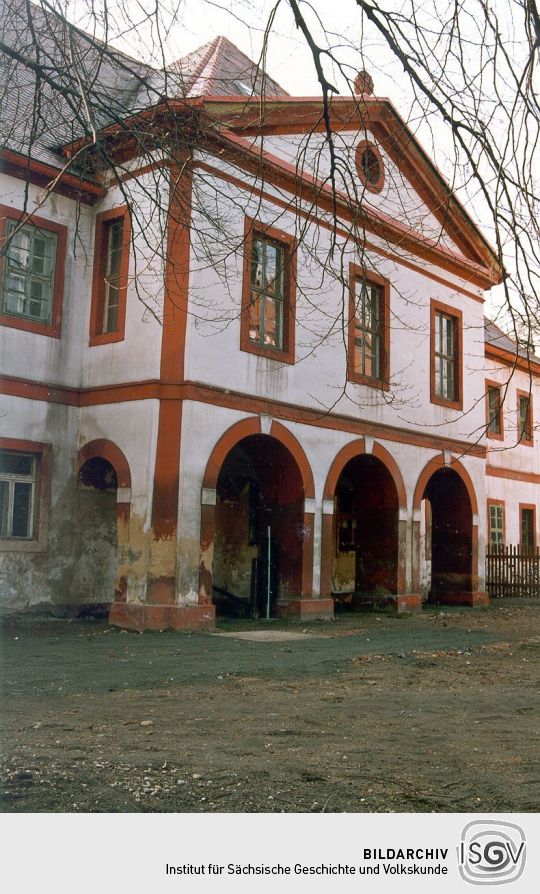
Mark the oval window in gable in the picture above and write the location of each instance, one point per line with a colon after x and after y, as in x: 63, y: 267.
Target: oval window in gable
x: 370, y: 166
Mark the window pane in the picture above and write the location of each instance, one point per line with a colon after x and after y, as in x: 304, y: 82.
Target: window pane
x: 272, y: 323
x: 438, y: 333
x: 494, y: 404
x: 257, y: 264
x: 29, y: 273
x: 448, y: 337
x: 271, y: 268
x: 114, y: 238
x: 4, y: 508
x: 527, y: 527
x: 367, y: 341
x: 524, y: 426
x: 496, y: 525
x: 112, y: 319
x: 444, y: 360
x: 265, y: 313
x: 22, y: 505
x: 254, y: 312
x: 16, y: 463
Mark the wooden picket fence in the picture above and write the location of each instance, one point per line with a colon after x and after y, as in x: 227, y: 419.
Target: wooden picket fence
x: 513, y: 571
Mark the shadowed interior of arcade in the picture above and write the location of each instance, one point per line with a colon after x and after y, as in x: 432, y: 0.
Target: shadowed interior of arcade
x: 258, y: 546
x: 95, y: 568
x: 449, y: 536
x: 366, y: 523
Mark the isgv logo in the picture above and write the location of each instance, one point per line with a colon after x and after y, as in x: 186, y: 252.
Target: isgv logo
x: 491, y: 852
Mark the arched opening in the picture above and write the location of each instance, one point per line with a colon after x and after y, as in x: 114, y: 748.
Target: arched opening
x: 103, y: 508
x: 259, y: 515
x: 95, y: 568
x: 448, y: 536
x: 366, y: 530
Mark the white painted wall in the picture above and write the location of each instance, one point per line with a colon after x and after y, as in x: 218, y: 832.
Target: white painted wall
x: 40, y: 357
x: 69, y: 360
x: 398, y: 199
x: 137, y: 357
x: 318, y: 378
x: 29, y: 578
x: 132, y: 426
x: 510, y: 455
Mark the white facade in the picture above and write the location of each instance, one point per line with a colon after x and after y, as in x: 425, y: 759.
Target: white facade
x: 160, y: 403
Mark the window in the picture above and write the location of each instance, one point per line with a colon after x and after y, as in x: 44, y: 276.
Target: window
x: 494, y: 420
x: 527, y: 526
x: 446, y: 365
x: 29, y: 272
x: 368, y: 361
x: 266, y: 305
x: 525, y: 420
x: 111, y: 262
x: 268, y: 294
x: 496, y: 532
x: 24, y: 479
x: 370, y: 166
x: 32, y: 272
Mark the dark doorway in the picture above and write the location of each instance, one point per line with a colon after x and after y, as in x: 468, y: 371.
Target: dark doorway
x: 96, y: 558
x: 366, y: 529
x: 259, y: 503
x: 451, y: 535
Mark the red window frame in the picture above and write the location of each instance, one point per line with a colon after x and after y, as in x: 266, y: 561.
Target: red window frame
x: 496, y: 436
x: 288, y: 243
x: 531, y: 507
x: 500, y: 503
x: 54, y: 328
x: 436, y: 308
x: 526, y: 439
x: 43, y: 456
x: 103, y: 221
x: 382, y: 381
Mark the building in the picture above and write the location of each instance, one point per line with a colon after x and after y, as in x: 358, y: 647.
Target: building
x: 210, y: 353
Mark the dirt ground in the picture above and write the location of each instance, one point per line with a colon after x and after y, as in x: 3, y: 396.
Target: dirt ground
x: 435, y: 712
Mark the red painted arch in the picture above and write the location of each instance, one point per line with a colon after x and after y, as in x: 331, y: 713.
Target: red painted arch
x: 252, y: 426
x: 228, y: 440
x: 109, y: 451
x: 286, y: 437
x: 433, y: 466
x: 234, y: 434
x: 357, y: 448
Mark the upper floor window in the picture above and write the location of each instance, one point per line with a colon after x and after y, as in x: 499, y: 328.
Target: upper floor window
x: 32, y: 272
x: 368, y: 328
x: 525, y: 420
x: 111, y: 261
x: 446, y: 363
x: 494, y: 410
x: 29, y: 272
x: 268, y: 295
x: 17, y: 494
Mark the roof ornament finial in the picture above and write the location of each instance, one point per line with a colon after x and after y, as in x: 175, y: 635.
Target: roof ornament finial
x: 363, y: 83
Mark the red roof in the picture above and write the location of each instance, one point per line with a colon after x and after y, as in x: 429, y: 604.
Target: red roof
x: 219, y: 68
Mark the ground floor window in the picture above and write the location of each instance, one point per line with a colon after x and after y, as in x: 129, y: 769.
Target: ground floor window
x: 18, y: 481
x: 496, y: 524
x: 527, y: 527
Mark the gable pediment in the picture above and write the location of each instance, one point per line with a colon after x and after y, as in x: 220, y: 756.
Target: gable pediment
x: 413, y: 192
